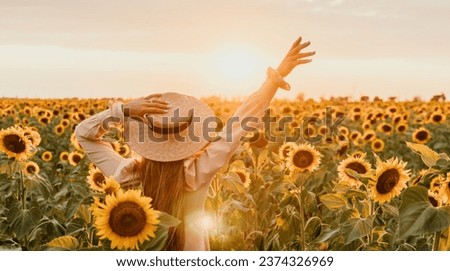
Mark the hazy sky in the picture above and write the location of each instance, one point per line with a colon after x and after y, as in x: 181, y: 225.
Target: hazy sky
x: 129, y: 48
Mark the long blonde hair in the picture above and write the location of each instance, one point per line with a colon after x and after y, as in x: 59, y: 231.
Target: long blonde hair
x: 164, y: 183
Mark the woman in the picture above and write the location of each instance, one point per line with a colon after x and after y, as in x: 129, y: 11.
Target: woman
x: 178, y: 155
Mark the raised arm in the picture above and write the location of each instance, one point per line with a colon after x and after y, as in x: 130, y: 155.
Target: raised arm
x: 201, y: 169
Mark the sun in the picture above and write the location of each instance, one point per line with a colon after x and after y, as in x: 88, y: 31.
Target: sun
x: 236, y: 62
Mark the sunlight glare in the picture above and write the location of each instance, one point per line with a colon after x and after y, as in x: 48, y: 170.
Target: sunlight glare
x: 236, y: 62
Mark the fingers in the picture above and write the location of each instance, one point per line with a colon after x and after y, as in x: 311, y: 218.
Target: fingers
x: 303, y: 55
x: 296, y: 49
x: 304, y: 45
x: 157, y: 104
x: 296, y: 43
x: 154, y: 110
x: 153, y: 96
x: 302, y: 61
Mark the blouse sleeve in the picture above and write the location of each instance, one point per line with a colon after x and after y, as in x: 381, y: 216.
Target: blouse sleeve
x: 89, y: 134
x: 200, y: 169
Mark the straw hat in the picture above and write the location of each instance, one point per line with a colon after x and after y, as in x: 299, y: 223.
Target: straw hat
x: 174, y: 135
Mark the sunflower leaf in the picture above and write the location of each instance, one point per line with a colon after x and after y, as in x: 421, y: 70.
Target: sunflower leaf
x: 429, y: 157
x: 355, y: 228
x: 167, y: 221
x: 24, y: 220
x: 418, y: 216
x: 64, y: 242
x: 333, y: 201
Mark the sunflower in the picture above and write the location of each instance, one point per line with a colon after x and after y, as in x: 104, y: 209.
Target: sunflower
x: 33, y: 135
x: 367, y: 125
x: 344, y: 130
x: 96, y: 179
x: 244, y: 176
x: 64, y: 156
x: 304, y: 157
x: 122, y: 149
x: 385, y: 128
x: 377, y: 145
x: 65, y: 123
x: 444, y: 192
x: 14, y: 143
x: 391, y: 177
x: 355, y: 135
x: 126, y: 219
x: 30, y: 168
x: 421, y: 135
x: 75, y: 143
x: 74, y: 158
x: 357, y: 164
x: 284, y: 150
x: 358, y: 154
x: 401, y: 127
x: 59, y: 130
x: 44, y: 120
x: 110, y: 186
x: 368, y: 135
x: 437, y: 117
x: 355, y: 116
x: 258, y: 140
x: 46, y: 156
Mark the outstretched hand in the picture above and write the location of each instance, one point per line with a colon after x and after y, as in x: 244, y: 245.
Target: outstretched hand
x: 152, y: 104
x: 295, y: 57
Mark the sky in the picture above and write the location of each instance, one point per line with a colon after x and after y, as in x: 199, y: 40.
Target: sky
x: 111, y: 48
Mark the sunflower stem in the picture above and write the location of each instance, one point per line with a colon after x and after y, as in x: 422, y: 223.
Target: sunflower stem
x: 22, y: 190
x: 436, y: 240
x: 301, y: 213
x: 372, y: 216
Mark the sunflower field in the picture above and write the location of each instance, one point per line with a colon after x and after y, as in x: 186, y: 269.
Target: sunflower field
x: 324, y: 175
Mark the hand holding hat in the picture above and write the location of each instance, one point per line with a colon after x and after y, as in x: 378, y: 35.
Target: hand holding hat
x: 152, y: 104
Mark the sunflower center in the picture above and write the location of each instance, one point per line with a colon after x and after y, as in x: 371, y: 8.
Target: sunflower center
x: 241, y: 176
x: 303, y: 159
x: 437, y: 118
x: 422, y: 135
x: 98, y: 178
x: 433, y: 201
x: 401, y: 128
x: 387, y: 128
x: 286, y: 151
x: 127, y: 219
x: 358, y: 167
x: 14, y: 143
x: 76, y: 158
x: 31, y: 169
x: 387, y: 181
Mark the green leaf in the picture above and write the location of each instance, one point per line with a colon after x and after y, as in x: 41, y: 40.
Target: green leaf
x: 167, y: 221
x: 75, y: 226
x: 389, y: 209
x: 64, y: 242
x: 418, y: 216
x: 158, y: 242
x: 326, y: 235
x: 355, y: 193
x: 349, y: 214
x: 24, y: 220
x: 333, y: 201
x: 355, y: 228
x: 429, y: 157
